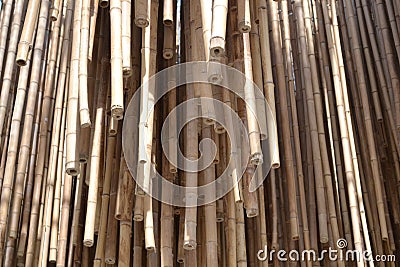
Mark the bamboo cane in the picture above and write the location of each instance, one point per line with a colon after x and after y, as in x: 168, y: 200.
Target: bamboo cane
x: 10, y: 58
x: 126, y: 38
x: 26, y: 40
x: 94, y: 10
x: 5, y: 23
x: 168, y: 12
x: 218, y: 30
x: 244, y: 21
x: 142, y: 13
x: 168, y: 50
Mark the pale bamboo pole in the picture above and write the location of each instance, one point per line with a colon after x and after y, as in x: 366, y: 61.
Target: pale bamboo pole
x: 268, y: 84
x: 94, y: 170
x: 7, y: 184
x: 142, y: 13
x: 26, y: 39
x: 285, y: 125
x: 72, y: 163
x: 117, y: 94
x: 149, y: 239
x: 168, y: 12
x: 243, y: 20
x: 57, y: 195
x: 126, y: 38
x: 5, y: 24
x: 218, y: 29
x: 147, y: 97
x: 84, y: 113
x: 29, y: 180
x: 94, y: 11
x: 7, y: 74
x: 55, y: 9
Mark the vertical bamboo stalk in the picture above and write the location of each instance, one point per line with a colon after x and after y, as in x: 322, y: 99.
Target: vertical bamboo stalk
x: 142, y: 13
x: 218, y: 30
x: 126, y: 37
x: 244, y: 21
x: 117, y: 94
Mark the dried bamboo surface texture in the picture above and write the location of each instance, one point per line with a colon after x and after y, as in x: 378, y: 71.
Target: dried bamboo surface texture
x: 312, y: 165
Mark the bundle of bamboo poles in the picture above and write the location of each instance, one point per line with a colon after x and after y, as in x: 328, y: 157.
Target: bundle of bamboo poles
x: 330, y: 75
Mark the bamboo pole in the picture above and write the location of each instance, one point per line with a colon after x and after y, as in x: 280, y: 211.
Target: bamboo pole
x: 126, y: 38
x: 218, y: 30
x: 142, y: 13
x: 26, y: 40
x: 168, y: 12
x: 117, y: 95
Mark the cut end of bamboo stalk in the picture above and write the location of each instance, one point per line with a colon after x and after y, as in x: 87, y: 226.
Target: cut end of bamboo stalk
x: 215, y: 78
x: 104, y: 3
x: 168, y: 22
x: 138, y: 217
x: 83, y: 158
x: 173, y: 170
x: 52, y: 255
x: 189, y: 245
x: 117, y: 112
x: 208, y: 121
x: 217, y: 47
x: 263, y: 136
x: 244, y: 26
x: 54, y: 14
x: 88, y: 242
x: 219, y: 129
x: 276, y: 165
x: 72, y: 171
x: 168, y: 53
x: 110, y: 261
x: 126, y: 71
x: 323, y: 239
x: 142, y: 22
x: 180, y: 260
x: 220, y: 217
x: 256, y: 159
x: 250, y: 213
x: 23, y: 52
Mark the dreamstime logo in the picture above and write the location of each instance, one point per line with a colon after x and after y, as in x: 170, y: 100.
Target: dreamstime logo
x: 214, y: 75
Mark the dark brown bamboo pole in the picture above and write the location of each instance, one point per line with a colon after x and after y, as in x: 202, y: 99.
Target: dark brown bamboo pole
x: 26, y: 40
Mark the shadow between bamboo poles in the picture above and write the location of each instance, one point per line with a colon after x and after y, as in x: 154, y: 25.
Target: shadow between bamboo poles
x: 72, y: 163
x: 268, y: 84
x: 7, y: 75
x: 285, y: 125
x: 26, y: 40
x: 117, y: 94
x: 218, y: 29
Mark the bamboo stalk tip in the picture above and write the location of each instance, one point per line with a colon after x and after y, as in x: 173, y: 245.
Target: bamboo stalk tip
x: 88, y: 243
x: 190, y: 245
x: 127, y: 72
x: 250, y: 213
x: 54, y: 14
x: 168, y: 22
x: 142, y: 22
x: 180, y: 260
x: 256, y: 159
x: 72, y: 171
x: 138, y: 217
x: 22, y: 54
x: 276, y: 165
x: 110, y: 261
x: 217, y: 47
x: 103, y: 3
x: 117, y: 112
x: 244, y: 26
x: 168, y: 53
